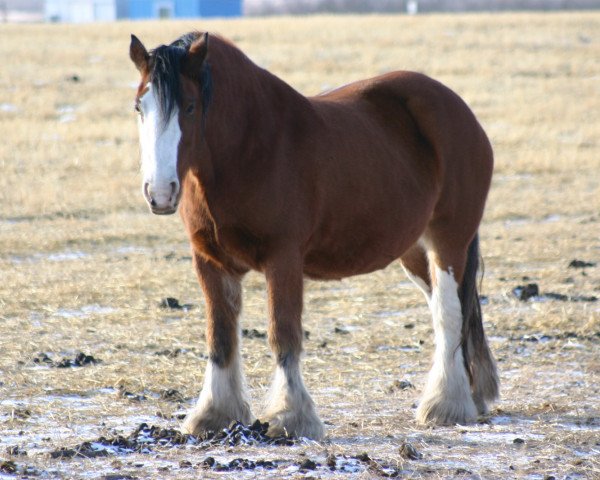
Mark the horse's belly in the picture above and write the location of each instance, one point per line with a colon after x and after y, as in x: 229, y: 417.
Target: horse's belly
x: 346, y: 259
x: 331, y: 270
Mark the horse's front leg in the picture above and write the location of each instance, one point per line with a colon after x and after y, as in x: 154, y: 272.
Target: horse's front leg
x: 290, y: 410
x: 223, y: 396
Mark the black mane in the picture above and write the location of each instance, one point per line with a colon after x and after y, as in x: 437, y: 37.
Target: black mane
x: 165, y: 65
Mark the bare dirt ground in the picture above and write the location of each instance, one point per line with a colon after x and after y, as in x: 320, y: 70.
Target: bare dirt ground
x: 88, y: 354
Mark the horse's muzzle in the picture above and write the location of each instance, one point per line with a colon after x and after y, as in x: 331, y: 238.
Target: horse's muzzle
x: 162, y: 201
x: 163, y: 211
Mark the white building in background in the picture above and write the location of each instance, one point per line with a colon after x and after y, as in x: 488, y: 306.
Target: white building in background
x: 80, y: 11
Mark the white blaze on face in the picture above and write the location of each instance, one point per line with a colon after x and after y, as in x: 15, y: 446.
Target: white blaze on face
x: 159, y: 143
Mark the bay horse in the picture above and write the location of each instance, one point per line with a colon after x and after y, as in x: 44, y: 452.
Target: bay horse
x: 340, y: 184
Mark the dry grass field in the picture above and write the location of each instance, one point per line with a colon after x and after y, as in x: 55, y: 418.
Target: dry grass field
x: 84, y: 265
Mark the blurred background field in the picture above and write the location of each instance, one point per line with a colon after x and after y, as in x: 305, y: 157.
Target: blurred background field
x: 83, y: 265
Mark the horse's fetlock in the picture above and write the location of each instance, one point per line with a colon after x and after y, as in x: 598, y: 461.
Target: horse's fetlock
x: 210, y: 418
x: 446, y: 410
x: 296, y: 423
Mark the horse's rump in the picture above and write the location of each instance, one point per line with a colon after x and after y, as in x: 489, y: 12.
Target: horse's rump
x: 394, y: 152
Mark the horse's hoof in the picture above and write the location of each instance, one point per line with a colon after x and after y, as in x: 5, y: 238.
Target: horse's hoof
x: 198, y: 422
x: 440, y: 411
x: 482, y: 407
x: 293, y: 424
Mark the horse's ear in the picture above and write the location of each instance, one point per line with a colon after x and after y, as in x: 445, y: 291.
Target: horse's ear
x: 138, y: 54
x: 192, y: 65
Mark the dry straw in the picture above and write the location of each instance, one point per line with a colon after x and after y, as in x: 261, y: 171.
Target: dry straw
x: 83, y: 265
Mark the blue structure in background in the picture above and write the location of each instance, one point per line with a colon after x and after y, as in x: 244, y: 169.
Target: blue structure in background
x: 148, y: 9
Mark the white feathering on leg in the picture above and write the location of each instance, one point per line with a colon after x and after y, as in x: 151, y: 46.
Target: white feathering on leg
x: 222, y: 399
x: 447, y: 396
x: 290, y: 409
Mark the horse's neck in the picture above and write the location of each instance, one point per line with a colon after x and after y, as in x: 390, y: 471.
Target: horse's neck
x: 247, y: 99
x: 248, y: 112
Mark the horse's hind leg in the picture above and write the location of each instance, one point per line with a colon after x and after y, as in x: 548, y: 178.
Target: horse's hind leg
x: 290, y: 409
x: 416, y: 266
x: 223, y: 396
x: 447, y: 396
x: 463, y: 375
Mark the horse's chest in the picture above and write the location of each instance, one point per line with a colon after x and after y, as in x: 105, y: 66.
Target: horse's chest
x: 233, y: 249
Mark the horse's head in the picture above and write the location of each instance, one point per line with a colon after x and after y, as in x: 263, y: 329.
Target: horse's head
x: 169, y: 104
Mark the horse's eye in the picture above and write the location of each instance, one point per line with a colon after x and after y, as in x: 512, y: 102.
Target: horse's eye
x: 137, y: 108
x: 190, y: 108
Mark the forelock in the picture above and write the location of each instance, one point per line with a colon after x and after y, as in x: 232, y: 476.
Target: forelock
x: 165, y: 63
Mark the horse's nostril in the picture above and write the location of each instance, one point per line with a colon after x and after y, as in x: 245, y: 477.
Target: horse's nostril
x: 174, y: 189
x: 149, y: 197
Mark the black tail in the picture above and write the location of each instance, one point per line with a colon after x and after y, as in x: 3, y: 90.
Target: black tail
x: 479, y: 361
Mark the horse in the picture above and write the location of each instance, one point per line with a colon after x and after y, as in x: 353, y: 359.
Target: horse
x: 395, y: 167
